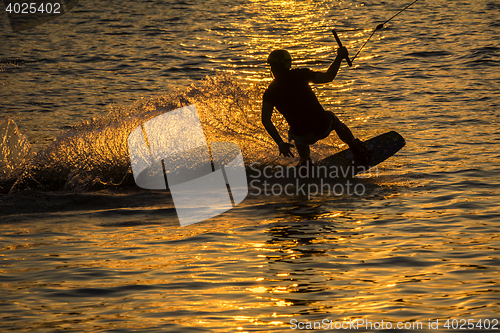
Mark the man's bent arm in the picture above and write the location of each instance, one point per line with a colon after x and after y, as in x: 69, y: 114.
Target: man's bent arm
x: 332, y: 71
x: 267, y: 112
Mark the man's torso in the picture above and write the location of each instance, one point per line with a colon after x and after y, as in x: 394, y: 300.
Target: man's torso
x: 292, y: 96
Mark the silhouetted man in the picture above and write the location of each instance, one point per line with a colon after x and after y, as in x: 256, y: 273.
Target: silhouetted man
x: 292, y: 96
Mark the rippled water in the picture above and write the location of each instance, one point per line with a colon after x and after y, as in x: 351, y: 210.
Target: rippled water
x: 420, y: 244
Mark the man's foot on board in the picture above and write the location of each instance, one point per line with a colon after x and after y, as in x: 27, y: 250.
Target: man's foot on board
x: 306, y: 162
x: 362, y: 155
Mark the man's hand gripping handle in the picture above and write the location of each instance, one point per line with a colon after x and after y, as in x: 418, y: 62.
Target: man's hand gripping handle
x: 340, y: 45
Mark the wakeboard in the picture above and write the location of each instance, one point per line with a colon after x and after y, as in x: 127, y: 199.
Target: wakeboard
x: 382, y: 147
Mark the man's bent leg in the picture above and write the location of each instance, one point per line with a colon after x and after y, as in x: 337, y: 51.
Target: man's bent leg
x: 361, y: 153
x: 344, y: 133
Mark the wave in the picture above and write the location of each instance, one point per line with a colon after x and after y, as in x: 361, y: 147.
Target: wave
x: 93, y: 154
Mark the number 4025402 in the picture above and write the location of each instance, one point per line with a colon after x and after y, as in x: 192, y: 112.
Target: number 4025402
x: 33, y: 8
x: 471, y: 324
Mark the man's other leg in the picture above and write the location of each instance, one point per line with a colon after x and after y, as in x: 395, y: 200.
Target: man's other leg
x: 304, y: 151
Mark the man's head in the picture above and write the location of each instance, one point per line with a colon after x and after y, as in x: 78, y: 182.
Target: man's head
x: 279, y: 60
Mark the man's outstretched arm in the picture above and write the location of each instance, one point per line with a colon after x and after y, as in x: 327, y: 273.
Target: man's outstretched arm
x: 332, y: 71
x: 267, y: 112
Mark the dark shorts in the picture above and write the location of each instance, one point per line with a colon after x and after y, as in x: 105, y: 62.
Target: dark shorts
x: 311, y: 138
